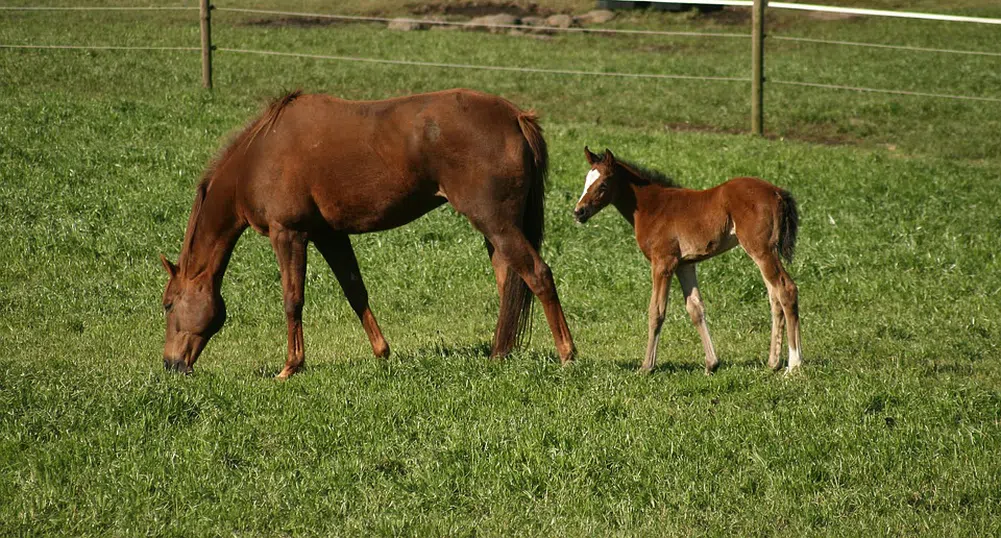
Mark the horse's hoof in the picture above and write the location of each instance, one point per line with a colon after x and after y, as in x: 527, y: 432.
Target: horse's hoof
x: 285, y: 374
x: 381, y: 352
x: 645, y: 370
x: 711, y: 368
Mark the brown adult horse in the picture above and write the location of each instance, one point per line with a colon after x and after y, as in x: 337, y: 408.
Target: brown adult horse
x: 677, y: 228
x: 317, y: 168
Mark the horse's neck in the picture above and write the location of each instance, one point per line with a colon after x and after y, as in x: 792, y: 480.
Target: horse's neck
x: 213, y: 230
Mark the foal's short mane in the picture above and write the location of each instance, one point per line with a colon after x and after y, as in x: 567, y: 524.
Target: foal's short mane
x: 647, y: 175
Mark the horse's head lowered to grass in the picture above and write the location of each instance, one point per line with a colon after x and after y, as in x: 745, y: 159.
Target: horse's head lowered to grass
x: 195, y: 311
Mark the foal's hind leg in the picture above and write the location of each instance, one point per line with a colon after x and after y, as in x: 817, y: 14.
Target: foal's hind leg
x: 336, y: 249
x: 290, y: 250
x: 519, y: 255
x: 783, y: 294
x: 696, y: 310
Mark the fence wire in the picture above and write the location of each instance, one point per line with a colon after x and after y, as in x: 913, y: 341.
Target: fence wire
x: 882, y: 46
x: 878, y: 90
x: 98, y: 8
x: 483, y: 67
x: 96, y: 47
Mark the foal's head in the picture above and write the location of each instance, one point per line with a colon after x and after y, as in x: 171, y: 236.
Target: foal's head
x: 600, y: 186
x: 195, y: 311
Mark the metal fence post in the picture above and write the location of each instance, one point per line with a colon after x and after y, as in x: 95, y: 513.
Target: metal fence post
x: 758, y: 67
x: 206, y: 11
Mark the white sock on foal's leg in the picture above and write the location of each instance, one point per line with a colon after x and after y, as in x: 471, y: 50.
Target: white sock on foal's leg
x: 794, y: 359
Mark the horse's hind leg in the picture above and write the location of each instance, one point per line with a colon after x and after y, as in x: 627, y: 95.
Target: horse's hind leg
x: 696, y: 311
x: 783, y: 295
x: 336, y: 249
x: 290, y: 250
x: 519, y: 255
x: 506, y: 332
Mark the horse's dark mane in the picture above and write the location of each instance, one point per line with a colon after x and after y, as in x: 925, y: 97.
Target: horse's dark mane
x: 648, y: 174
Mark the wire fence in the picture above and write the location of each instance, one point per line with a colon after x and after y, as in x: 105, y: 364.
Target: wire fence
x: 207, y: 47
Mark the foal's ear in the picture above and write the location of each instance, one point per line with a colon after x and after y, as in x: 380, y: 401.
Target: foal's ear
x: 170, y: 267
x: 609, y: 158
x: 591, y: 158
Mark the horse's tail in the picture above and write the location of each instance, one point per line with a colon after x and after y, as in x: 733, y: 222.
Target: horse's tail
x: 516, y: 302
x: 788, y: 224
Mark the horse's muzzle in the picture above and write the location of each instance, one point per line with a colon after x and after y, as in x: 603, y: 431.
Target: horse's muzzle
x: 176, y: 365
x: 582, y: 214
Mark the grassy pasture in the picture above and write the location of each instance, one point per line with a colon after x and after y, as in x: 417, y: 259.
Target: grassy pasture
x: 892, y: 428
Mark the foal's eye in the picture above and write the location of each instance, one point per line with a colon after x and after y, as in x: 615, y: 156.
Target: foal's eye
x: 602, y: 188
x: 168, y: 307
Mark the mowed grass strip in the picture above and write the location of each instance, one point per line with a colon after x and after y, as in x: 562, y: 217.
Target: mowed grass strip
x: 892, y: 427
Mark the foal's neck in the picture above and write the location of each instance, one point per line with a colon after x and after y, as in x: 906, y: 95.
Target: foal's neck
x: 213, y: 229
x: 636, y: 197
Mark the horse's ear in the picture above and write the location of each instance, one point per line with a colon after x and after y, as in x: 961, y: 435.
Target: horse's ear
x: 609, y: 158
x: 591, y: 158
x: 170, y: 267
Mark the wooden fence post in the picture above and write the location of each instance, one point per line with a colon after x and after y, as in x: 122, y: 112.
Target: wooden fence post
x: 758, y: 67
x: 206, y: 11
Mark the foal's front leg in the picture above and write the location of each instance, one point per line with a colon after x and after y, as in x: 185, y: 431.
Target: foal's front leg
x: 662, y: 271
x: 290, y: 249
x: 696, y: 311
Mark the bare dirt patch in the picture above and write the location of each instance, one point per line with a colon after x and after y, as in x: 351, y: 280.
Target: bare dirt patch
x: 728, y: 16
x: 296, y: 22
x: 478, y: 9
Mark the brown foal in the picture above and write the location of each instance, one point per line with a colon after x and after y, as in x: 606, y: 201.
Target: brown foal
x: 317, y: 168
x: 677, y: 228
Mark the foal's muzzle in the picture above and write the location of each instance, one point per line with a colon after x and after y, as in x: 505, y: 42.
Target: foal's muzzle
x: 582, y: 214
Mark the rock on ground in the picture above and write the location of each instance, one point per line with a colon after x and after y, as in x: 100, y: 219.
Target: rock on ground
x: 491, y: 22
x: 596, y: 16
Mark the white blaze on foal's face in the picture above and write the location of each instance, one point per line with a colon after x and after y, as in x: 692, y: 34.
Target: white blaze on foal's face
x: 592, y: 176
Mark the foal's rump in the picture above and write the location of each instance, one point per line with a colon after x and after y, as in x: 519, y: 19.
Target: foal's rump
x: 764, y: 216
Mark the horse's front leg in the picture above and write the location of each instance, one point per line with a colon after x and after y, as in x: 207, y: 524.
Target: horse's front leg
x: 290, y: 249
x: 662, y: 271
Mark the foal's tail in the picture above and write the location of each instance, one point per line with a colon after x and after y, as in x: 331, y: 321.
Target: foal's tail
x: 788, y: 225
x: 516, y: 317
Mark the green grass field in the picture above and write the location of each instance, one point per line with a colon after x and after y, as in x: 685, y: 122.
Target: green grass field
x: 893, y: 427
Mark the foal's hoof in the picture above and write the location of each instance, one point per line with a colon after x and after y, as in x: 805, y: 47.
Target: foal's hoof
x: 286, y: 373
x: 645, y: 370
x: 711, y: 368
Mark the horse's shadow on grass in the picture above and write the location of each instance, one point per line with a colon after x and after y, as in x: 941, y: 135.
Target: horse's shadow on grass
x: 479, y: 351
x: 681, y: 365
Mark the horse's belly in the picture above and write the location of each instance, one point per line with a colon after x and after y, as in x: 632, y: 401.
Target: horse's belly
x: 359, y: 212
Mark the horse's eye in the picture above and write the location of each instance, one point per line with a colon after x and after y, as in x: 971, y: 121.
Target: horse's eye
x: 602, y: 188
x: 168, y: 307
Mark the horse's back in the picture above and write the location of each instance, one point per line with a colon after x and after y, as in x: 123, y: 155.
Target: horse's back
x: 369, y: 165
